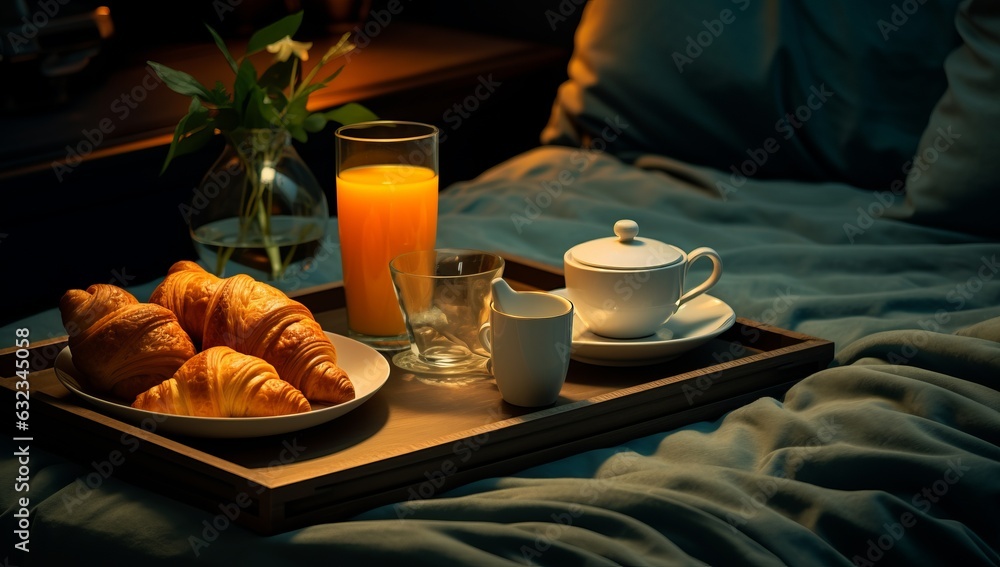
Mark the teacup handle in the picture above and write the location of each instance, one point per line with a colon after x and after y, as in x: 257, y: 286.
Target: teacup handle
x: 486, y: 337
x: 712, y: 278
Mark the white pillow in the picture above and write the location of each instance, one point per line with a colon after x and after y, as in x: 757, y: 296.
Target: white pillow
x: 822, y: 91
x: 953, y: 179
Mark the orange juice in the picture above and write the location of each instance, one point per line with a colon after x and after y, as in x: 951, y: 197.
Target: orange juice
x: 383, y: 211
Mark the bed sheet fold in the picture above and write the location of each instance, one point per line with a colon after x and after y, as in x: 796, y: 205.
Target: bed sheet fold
x: 825, y: 259
x: 871, y: 461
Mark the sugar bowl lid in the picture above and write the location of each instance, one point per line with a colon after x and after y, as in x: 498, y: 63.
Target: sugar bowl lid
x: 626, y: 251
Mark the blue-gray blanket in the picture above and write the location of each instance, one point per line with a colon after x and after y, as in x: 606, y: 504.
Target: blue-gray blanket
x: 891, y: 457
x: 824, y: 259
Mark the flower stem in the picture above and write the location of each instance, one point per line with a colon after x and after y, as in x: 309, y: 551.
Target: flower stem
x: 264, y: 219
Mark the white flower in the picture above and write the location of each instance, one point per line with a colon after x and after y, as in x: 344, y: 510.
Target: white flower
x: 286, y: 46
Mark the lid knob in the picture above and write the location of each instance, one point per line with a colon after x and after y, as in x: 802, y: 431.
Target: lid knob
x: 626, y: 230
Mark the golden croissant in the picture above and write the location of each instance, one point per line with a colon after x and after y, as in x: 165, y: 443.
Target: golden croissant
x: 220, y: 382
x: 186, y: 291
x: 254, y: 318
x: 122, y: 346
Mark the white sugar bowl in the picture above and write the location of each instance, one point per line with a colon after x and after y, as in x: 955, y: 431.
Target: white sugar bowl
x: 626, y: 287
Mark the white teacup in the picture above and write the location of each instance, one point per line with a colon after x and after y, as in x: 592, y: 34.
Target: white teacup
x: 627, y: 287
x: 529, y: 340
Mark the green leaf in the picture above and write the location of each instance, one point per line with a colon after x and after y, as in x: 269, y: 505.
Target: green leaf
x: 295, y: 111
x: 180, y: 82
x: 350, y: 113
x: 263, y: 37
x: 220, y: 95
x: 222, y: 47
x: 314, y: 122
x: 226, y: 119
x: 307, y: 90
x: 278, y: 100
x: 332, y: 76
x: 192, y: 142
x: 245, y: 85
x: 261, y: 113
x: 279, y: 75
x: 192, y: 132
x: 298, y: 132
x: 340, y: 48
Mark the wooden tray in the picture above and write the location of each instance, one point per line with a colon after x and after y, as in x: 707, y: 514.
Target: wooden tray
x: 416, y: 439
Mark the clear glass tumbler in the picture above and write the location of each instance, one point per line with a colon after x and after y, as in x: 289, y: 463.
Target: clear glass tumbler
x: 387, y: 204
x: 444, y: 296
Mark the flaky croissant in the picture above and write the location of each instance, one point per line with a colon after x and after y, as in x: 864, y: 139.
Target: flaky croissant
x: 186, y: 291
x: 122, y: 346
x: 220, y: 382
x: 254, y: 318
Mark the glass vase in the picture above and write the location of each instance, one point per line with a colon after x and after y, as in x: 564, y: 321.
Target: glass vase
x: 259, y: 209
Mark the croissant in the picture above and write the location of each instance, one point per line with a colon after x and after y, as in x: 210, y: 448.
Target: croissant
x: 220, y: 382
x: 186, y: 291
x: 122, y: 346
x: 255, y: 318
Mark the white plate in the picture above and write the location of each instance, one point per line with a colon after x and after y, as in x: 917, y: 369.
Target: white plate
x: 367, y: 369
x: 695, y: 323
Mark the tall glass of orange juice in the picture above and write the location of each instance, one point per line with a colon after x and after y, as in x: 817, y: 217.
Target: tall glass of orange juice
x: 387, y: 204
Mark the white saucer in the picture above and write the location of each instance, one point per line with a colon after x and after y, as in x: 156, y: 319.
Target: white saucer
x: 695, y: 323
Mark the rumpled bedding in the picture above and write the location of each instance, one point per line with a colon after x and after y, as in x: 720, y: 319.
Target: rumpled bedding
x: 824, y: 259
x: 889, y: 457
x: 827, y: 260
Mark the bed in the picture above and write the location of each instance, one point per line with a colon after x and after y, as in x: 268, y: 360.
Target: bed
x: 873, y: 225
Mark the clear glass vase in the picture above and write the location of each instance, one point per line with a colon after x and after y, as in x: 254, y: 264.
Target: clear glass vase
x: 259, y: 209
